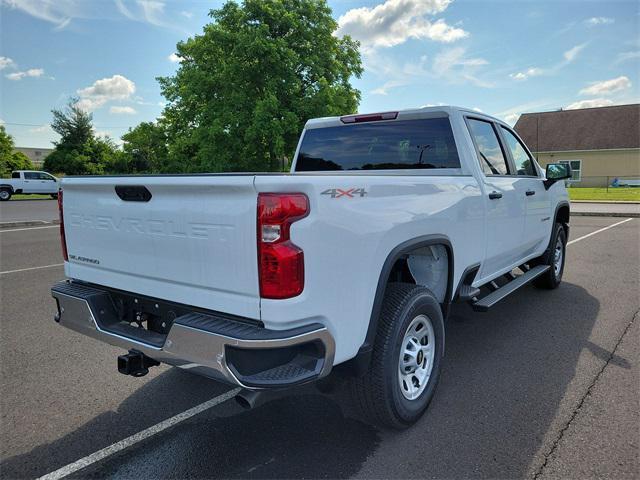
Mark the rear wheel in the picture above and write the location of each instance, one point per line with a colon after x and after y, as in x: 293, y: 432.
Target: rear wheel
x: 407, y: 354
x: 555, y: 258
x: 5, y: 194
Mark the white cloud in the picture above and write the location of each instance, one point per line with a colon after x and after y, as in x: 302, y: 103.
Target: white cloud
x: 148, y: 11
x: 384, y: 89
x: 174, y: 58
x: 571, y: 54
x: 396, y: 21
x: 453, y: 65
x: 32, y: 72
x: 511, y: 118
x: 186, y: 14
x: 625, y: 56
x: 58, y: 12
x: 102, y: 91
x: 122, y: 110
x: 594, y: 21
x: 591, y: 103
x: 607, y: 87
x: 530, y: 72
x: 6, y: 62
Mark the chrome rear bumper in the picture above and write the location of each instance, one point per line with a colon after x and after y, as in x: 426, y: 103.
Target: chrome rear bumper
x: 207, y: 344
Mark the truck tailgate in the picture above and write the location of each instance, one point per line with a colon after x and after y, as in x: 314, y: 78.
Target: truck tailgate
x: 192, y: 242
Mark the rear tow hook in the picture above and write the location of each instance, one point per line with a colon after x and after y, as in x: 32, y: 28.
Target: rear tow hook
x: 135, y: 363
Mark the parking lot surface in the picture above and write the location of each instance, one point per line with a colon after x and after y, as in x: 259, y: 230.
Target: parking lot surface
x: 41, y: 210
x: 545, y: 385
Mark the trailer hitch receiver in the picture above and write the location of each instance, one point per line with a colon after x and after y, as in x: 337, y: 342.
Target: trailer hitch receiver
x: 135, y: 363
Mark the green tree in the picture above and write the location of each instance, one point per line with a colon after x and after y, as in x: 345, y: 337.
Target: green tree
x: 248, y: 83
x: 79, y: 151
x: 10, y: 160
x: 145, y: 148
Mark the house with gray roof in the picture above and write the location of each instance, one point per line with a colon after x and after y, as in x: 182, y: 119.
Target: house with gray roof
x: 601, y: 144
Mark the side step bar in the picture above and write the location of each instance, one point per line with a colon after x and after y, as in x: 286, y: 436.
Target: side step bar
x: 494, y: 297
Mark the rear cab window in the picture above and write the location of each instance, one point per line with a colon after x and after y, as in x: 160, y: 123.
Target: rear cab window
x: 492, y: 158
x: 384, y: 145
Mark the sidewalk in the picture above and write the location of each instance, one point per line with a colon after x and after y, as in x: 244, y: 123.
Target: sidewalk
x: 605, y: 209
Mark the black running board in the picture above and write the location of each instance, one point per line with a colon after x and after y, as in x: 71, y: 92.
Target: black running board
x: 485, y: 303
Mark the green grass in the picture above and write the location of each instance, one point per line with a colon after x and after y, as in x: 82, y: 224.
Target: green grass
x: 20, y: 196
x: 619, y: 193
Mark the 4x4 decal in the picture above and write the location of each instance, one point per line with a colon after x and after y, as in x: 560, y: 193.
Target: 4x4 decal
x: 349, y: 193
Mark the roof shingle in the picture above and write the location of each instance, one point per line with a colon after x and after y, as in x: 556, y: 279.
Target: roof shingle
x: 585, y: 129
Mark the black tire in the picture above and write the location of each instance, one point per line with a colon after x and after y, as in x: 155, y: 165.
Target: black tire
x: 552, y: 278
x: 54, y: 196
x: 377, y: 394
x: 5, y: 194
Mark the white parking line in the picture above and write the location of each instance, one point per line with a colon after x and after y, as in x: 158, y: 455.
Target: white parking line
x: 27, y: 228
x: 31, y: 268
x: 170, y: 422
x: 138, y: 437
x: 598, y: 231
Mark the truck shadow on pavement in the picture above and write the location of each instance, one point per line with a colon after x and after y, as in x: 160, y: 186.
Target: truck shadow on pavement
x: 505, y: 374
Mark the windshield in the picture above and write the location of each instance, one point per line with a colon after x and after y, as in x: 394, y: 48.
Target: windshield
x: 422, y: 144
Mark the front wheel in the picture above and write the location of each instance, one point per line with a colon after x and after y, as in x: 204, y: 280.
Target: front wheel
x: 5, y: 194
x: 406, y: 361
x: 555, y: 258
x: 54, y: 196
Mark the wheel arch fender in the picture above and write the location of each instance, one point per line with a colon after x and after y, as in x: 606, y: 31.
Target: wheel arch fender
x: 562, y: 214
x: 393, y: 256
x: 7, y: 186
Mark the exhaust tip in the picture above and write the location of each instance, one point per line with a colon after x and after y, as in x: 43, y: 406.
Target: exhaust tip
x: 243, y: 402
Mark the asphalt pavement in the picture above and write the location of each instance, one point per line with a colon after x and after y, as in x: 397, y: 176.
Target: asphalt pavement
x: 606, y: 209
x: 41, y: 210
x: 545, y: 385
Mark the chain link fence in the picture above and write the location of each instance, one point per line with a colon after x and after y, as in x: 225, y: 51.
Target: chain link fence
x: 606, y: 182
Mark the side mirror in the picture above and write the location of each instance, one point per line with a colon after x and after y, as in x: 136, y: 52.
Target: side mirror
x: 556, y: 172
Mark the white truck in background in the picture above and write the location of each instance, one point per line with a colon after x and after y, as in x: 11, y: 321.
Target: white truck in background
x: 349, y: 263
x: 28, y: 182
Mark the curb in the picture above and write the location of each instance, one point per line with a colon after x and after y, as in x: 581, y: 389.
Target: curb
x: 606, y: 214
x: 32, y: 223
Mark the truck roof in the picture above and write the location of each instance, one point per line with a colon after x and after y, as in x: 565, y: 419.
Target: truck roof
x: 409, y: 113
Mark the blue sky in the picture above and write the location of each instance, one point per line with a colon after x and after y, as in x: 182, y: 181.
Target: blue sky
x: 501, y: 57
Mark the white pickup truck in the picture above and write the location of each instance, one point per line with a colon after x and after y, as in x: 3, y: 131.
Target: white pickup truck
x: 348, y: 264
x: 28, y: 182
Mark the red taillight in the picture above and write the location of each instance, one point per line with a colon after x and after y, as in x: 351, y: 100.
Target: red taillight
x: 63, y: 239
x: 280, y: 261
x: 371, y: 117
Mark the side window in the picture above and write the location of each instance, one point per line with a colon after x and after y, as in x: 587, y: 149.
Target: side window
x: 522, y: 160
x: 492, y: 158
x: 15, y: 175
x: 44, y: 176
x: 31, y: 176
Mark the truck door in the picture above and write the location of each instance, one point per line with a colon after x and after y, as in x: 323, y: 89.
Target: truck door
x: 505, y: 207
x: 48, y: 183
x: 538, y: 221
x: 31, y: 182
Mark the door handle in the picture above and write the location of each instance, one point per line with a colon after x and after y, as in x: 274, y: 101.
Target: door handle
x: 495, y: 195
x: 530, y: 192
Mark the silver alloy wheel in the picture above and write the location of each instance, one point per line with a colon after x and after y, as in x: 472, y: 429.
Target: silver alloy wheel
x: 416, y: 357
x: 4, y: 194
x: 558, y: 254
